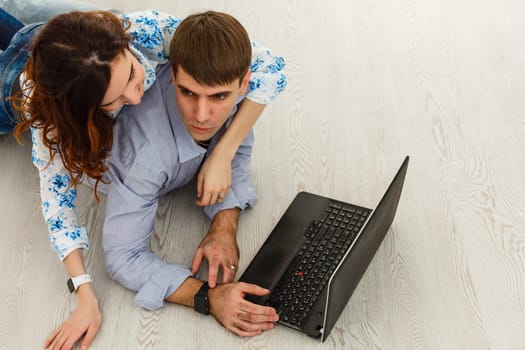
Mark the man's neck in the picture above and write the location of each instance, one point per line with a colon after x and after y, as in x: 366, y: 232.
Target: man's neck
x: 203, y: 144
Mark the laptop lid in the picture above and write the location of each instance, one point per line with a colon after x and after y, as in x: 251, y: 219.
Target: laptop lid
x: 349, y: 272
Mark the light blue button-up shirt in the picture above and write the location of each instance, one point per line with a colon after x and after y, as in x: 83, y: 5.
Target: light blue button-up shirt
x: 153, y: 154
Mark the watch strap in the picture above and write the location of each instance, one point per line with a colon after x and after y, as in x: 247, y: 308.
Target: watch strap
x: 200, y: 300
x: 74, y: 282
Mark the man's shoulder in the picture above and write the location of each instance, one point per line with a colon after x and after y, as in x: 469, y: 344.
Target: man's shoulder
x: 143, y: 132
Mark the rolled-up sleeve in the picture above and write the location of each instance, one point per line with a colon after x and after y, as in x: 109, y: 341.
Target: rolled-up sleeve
x: 268, y: 78
x: 130, y: 214
x: 58, y: 196
x: 242, y: 194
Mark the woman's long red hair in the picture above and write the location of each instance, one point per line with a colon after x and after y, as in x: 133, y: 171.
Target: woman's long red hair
x: 68, y: 74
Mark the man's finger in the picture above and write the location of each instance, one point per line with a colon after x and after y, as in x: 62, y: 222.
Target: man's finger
x: 267, y: 313
x: 212, y: 273
x: 242, y: 333
x: 248, y: 326
x: 228, y: 273
x: 261, y: 319
x: 197, y: 260
x: 254, y: 289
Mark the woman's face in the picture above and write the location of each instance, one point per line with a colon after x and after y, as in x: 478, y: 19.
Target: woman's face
x: 126, y: 86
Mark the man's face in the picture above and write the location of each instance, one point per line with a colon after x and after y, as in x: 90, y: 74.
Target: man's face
x: 204, y: 109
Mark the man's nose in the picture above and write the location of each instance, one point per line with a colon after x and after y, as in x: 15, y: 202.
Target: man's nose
x: 201, y: 110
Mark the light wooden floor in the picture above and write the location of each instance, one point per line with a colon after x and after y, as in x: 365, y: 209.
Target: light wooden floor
x: 369, y: 82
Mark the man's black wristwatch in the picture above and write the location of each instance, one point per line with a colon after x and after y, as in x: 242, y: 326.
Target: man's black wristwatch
x: 200, y: 300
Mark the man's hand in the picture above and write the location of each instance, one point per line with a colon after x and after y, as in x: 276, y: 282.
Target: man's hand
x: 243, y: 318
x: 219, y: 247
x: 85, y: 320
x: 214, y: 180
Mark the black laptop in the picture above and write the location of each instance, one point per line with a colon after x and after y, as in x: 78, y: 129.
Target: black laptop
x: 316, y: 255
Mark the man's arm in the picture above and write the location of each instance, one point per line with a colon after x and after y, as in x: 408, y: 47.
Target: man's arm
x: 131, y: 207
x: 220, y: 247
x: 130, y: 214
x: 228, y: 306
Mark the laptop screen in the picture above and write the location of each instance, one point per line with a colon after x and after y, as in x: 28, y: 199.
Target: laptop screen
x: 352, y: 268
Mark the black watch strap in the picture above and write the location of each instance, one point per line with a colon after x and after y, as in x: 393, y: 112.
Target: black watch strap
x: 200, y: 300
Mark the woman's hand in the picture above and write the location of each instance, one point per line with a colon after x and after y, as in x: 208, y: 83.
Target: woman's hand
x: 84, y: 321
x: 214, y: 179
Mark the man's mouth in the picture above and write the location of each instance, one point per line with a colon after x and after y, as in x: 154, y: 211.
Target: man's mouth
x: 200, y: 130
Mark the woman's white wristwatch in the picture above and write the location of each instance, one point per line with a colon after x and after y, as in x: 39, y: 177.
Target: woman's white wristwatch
x: 74, y: 282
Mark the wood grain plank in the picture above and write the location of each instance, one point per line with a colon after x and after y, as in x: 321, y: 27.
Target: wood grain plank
x: 368, y: 82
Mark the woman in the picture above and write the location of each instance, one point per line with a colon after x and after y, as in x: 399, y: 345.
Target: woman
x: 70, y: 104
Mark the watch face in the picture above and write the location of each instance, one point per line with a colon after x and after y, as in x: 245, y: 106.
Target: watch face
x: 200, y: 300
x: 70, y: 285
x: 201, y: 304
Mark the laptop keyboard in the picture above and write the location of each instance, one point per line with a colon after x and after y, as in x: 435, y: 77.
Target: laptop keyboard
x: 327, y: 241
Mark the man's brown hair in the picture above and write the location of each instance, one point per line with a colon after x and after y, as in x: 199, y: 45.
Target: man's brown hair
x: 212, y: 47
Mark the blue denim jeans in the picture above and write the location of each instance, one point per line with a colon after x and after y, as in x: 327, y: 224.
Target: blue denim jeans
x: 9, y: 25
x: 12, y: 60
x: 32, y: 11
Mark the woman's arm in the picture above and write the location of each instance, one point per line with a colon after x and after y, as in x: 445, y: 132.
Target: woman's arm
x: 267, y: 80
x: 68, y: 239
x: 86, y: 319
x: 58, y: 196
x: 214, y: 179
x: 152, y: 31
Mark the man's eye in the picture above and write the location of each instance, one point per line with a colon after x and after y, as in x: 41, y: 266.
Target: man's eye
x: 186, y: 92
x: 219, y: 97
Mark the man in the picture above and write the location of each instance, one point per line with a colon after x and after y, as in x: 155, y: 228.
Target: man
x: 160, y: 145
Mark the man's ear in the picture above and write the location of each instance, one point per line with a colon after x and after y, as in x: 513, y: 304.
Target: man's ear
x: 245, y: 81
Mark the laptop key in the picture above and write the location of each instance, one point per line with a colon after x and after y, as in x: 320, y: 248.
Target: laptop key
x: 314, y: 264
